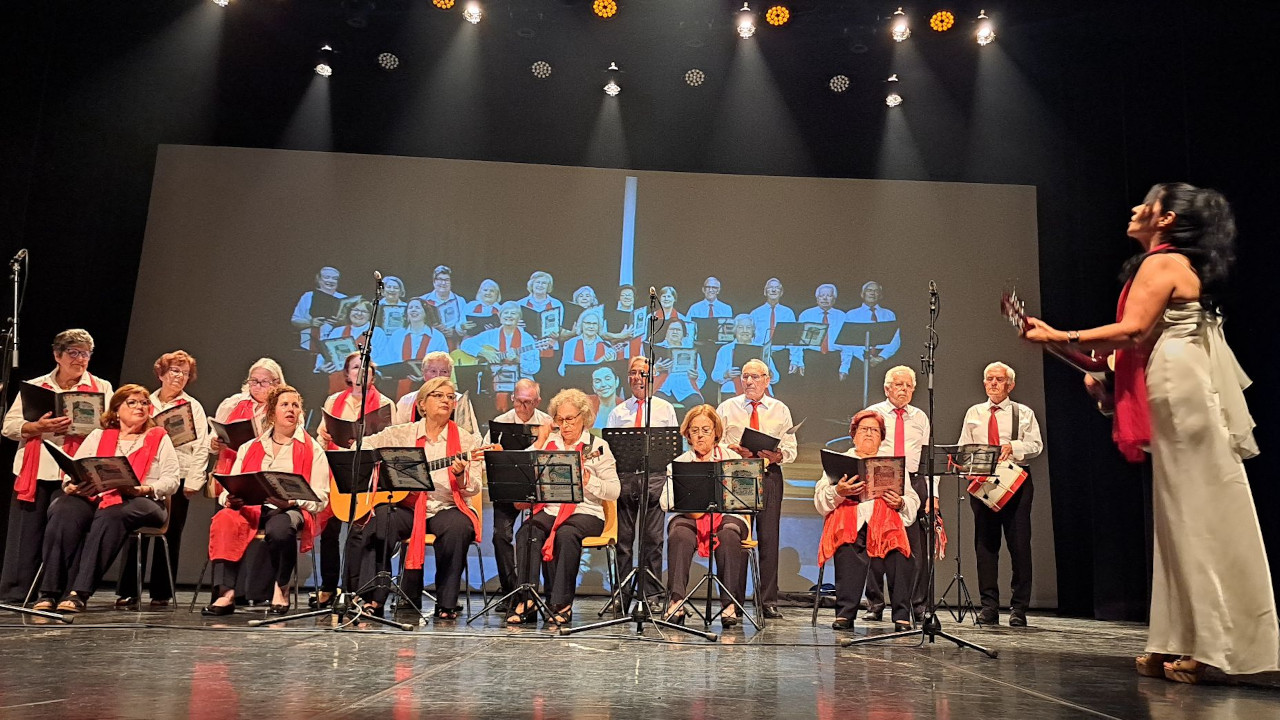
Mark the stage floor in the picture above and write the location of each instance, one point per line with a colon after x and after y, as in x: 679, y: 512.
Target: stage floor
x: 114, y: 664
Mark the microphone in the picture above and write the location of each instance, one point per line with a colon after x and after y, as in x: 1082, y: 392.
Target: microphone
x: 933, y: 295
x: 378, y: 276
x: 21, y: 254
x: 653, y: 292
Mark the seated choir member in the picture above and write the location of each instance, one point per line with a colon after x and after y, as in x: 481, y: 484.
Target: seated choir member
x: 248, y: 404
x: 284, y: 446
x: 684, y: 388
x: 506, y: 345
x: 350, y: 404
x: 704, y: 430
x: 559, y: 529
x: 443, y: 512
x: 358, y: 318
x: 86, y: 532
x: 434, y: 365
x: 854, y: 531
x: 175, y: 370
x: 589, y: 348
x: 606, y: 394
x: 37, y: 481
x: 526, y: 397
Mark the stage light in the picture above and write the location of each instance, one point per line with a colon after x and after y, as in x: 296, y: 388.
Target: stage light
x: 388, y: 62
x: 541, y: 69
x: 605, y: 8
x: 986, y: 31
x: 942, y: 21
x: 901, y: 28
x: 746, y: 22
x: 222, y: 3
x: 473, y: 13
x: 443, y: 4
x: 893, y: 99
x: 612, y: 88
x: 839, y: 83
x: 695, y: 77
x: 777, y: 15
x: 323, y: 70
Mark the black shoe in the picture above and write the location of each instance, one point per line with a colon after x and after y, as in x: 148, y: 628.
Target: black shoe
x: 1017, y: 618
x: 918, y: 612
x: 874, y: 615
x: 772, y: 612
x: 217, y: 610
x: 842, y: 623
x: 278, y: 609
x: 989, y: 616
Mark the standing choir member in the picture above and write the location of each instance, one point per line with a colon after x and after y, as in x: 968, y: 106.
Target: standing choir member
x: 359, y: 399
x: 393, y: 293
x: 555, y: 530
x: 1012, y: 426
x: 540, y: 300
x: 667, y: 312
x: 86, y: 532
x: 284, y: 446
x: 853, y: 532
x: 303, y: 319
x: 633, y: 485
x: 755, y: 409
x: 684, y: 387
x: 359, y: 316
x: 1180, y: 393
x: 585, y: 298
x: 175, y: 371
x: 828, y: 356
x: 724, y: 371
x: 632, y: 330
x: 588, y: 348
x: 448, y: 304
x: 248, y: 404
x: 411, y: 343
x: 710, y: 305
x: 870, y: 311
x: 486, y: 305
x: 526, y: 398
x: 687, y: 533
x: 767, y: 316
x: 36, y: 483
x: 443, y: 512
x: 906, y: 432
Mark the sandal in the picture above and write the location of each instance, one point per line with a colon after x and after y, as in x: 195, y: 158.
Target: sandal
x: 45, y: 605
x: 446, y: 614
x: 527, y: 615
x: 73, y: 604
x: 124, y: 603
x: 562, y: 617
x: 1152, y: 664
x: 674, y: 616
x: 1185, y: 670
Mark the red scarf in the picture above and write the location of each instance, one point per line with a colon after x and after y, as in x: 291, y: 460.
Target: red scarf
x: 707, y: 521
x: 1131, y: 425
x: 579, y: 353
x: 885, y: 531
x: 24, y: 485
x: 516, y: 341
x: 566, y: 509
x: 140, y: 459
x: 227, y: 457
x: 416, y: 555
x: 372, y: 401
x: 231, y: 531
x: 412, y: 350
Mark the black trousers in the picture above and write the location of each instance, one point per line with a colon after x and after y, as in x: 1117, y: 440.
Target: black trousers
x: 82, y: 539
x: 504, y: 552
x: 127, y: 585
x: 330, y: 557
x: 24, y: 541
x: 454, y: 534
x: 768, y: 524
x: 851, y: 563
x: 370, y: 546
x: 731, y: 557
x: 629, y: 502
x: 563, y: 568
x: 916, y: 537
x: 1015, y: 522
x: 280, y: 535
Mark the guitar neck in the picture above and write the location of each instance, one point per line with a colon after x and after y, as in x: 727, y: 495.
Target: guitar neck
x: 1087, y: 364
x: 444, y: 462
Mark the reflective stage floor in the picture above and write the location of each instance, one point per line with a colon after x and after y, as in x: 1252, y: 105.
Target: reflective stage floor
x: 119, y: 664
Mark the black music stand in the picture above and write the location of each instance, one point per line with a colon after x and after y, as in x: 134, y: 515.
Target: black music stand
x: 959, y: 463
x: 727, y: 486
x: 629, y: 446
x: 867, y: 335
x: 528, y: 477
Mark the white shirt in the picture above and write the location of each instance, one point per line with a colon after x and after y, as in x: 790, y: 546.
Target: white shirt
x: 719, y: 310
x: 463, y: 412
x: 774, y: 417
x: 13, y: 422
x: 391, y: 347
x: 825, y: 499
x: 916, y: 424
x: 862, y: 314
x: 835, y: 321
x: 624, y: 414
x: 193, y: 457
x: 163, y: 477
x: 510, y: 416
x: 407, y: 435
x: 720, y: 452
x: 302, y: 314
x: 761, y: 317
x: 352, y: 409
x: 453, y: 305
x: 589, y: 351
x: 277, y: 458
x: 601, y: 480
x: 678, y: 385
x: 724, y: 363
x: 1027, y: 446
x: 226, y: 406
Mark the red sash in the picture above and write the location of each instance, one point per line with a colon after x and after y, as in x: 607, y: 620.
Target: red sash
x: 408, y: 351
x: 227, y: 457
x: 372, y: 401
x: 24, y: 485
x: 566, y: 509
x: 516, y: 342
x: 706, y: 522
x: 884, y: 531
x: 231, y: 531
x: 416, y: 555
x: 1131, y: 424
x: 579, y: 353
x: 140, y: 459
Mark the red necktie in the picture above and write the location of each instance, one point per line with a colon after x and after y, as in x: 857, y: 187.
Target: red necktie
x: 993, y: 428
x: 639, y: 413
x: 711, y: 308
x: 755, y: 414
x: 900, y: 433
x: 873, y: 315
x: 773, y: 318
x: 825, y: 334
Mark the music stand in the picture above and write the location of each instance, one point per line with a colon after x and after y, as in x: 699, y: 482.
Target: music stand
x: 629, y: 446
x: 727, y: 486
x: 958, y: 463
x: 867, y: 335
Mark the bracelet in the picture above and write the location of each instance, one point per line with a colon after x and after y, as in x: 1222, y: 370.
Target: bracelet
x: 1073, y: 336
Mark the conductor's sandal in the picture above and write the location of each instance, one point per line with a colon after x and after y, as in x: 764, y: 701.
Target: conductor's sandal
x: 1185, y: 670
x: 1152, y: 664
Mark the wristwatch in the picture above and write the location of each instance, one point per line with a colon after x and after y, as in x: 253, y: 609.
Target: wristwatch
x: 1073, y: 336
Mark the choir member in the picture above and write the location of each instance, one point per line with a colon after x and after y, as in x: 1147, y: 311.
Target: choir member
x: 587, y: 348
x: 635, y: 487
x: 559, y: 529
x: 606, y: 393
x: 631, y: 332
x: 754, y: 408
x: 772, y: 312
x: 303, y: 319
x: 539, y: 299
x: 175, y: 371
x: 411, y: 343
x: 829, y: 355
x: 710, y: 306
x: 283, y: 446
x: 393, y: 293
x: 684, y: 388
x: 854, y: 531
x: 687, y: 533
x: 724, y: 371
x: 526, y: 398
x: 86, y: 532
x: 870, y: 311
x: 447, y: 303
x: 486, y: 305
x: 359, y: 316
x: 667, y: 312
x: 443, y: 512
x: 1012, y: 426
x: 585, y: 298
x: 248, y: 404
x: 506, y: 345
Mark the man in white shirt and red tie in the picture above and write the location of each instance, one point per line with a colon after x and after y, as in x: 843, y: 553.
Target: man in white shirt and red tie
x: 1012, y: 426
x: 906, y: 432
x: 710, y: 305
x: 631, y: 413
x: 755, y: 409
x: 814, y: 362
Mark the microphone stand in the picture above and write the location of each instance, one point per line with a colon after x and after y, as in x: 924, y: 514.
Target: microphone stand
x: 930, y: 627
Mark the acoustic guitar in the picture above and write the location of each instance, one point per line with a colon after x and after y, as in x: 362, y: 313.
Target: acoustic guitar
x: 344, y: 505
x: 512, y: 355
x: 593, y: 454
x: 1099, y: 367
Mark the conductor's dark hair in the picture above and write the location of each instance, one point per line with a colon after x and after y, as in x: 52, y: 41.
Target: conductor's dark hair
x: 1204, y: 229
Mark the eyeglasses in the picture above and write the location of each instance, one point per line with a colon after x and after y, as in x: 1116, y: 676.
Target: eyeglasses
x: 752, y: 376
x: 701, y: 431
x: 441, y: 396
x: 263, y: 383
x: 77, y: 354
x: 869, y: 430
x: 134, y: 403
x: 178, y: 373
x: 636, y: 373
x: 561, y: 420
x: 525, y: 401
